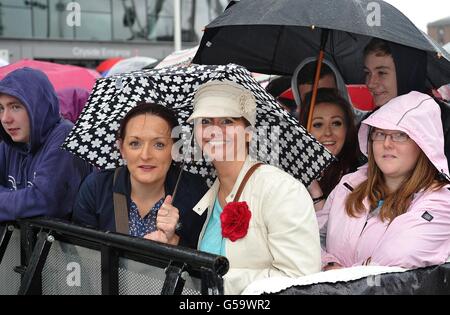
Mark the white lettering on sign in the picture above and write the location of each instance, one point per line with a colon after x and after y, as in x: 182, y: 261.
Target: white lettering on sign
x: 100, y: 52
x: 115, y: 53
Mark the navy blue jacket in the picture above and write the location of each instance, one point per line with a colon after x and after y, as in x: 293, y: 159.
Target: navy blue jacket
x: 94, y: 206
x: 37, y: 178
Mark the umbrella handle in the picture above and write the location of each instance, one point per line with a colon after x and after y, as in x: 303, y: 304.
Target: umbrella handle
x: 175, y: 190
x: 323, y: 42
x: 314, y: 90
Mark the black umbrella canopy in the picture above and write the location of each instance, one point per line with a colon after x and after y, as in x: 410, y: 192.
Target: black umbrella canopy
x: 278, y: 139
x: 274, y: 36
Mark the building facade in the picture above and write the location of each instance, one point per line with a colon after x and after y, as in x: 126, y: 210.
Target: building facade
x: 84, y: 32
x: 440, y: 31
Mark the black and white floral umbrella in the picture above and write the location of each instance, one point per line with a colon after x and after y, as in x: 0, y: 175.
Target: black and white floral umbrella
x: 279, y: 141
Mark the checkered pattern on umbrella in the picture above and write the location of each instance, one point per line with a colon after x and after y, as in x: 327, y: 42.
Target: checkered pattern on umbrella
x: 94, y: 135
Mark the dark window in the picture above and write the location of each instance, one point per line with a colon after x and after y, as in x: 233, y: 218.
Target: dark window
x: 96, y: 5
x: 130, y: 20
x: 195, y: 15
x: 58, y: 20
x: 15, y: 3
x: 160, y: 20
x: 107, y: 20
x: 41, y: 20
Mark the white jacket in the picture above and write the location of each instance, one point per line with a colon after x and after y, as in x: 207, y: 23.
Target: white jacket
x: 283, y: 234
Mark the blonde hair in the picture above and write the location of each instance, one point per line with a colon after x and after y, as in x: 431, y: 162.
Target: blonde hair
x: 423, y: 176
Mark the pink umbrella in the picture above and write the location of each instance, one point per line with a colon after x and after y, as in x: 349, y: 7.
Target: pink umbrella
x: 61, y: 76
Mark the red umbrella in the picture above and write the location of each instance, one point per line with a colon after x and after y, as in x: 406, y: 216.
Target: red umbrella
x: 61, y: 76
x: 107, y: 64
x: 361, y: 97
x: 359, y: 94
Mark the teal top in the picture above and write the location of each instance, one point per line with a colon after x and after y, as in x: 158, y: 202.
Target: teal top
x: 212, y: 241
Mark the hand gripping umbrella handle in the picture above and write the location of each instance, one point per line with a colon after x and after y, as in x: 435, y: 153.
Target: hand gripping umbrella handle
x: 191, y: 142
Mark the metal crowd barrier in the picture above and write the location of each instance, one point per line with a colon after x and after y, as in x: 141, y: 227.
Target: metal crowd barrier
x: 48, y: 256
x: 9, y: 259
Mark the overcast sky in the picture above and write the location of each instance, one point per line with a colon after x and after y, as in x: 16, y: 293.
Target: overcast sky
x: 422, y: 12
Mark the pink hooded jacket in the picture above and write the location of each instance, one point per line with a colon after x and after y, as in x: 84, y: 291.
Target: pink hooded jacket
x: 418, y: 238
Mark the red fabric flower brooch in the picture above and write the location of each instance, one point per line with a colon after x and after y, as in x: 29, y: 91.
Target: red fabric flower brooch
x: 235, y: 219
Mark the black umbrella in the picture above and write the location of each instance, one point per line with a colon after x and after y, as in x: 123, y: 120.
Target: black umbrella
x: 278, y: 139
x: 274, y: 36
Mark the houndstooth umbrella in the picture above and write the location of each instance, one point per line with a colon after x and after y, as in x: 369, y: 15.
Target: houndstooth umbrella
x: 279, y: 140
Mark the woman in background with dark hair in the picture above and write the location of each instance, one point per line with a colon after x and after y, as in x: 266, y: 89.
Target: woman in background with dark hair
x: 136, y: 199
x: 333, y: 126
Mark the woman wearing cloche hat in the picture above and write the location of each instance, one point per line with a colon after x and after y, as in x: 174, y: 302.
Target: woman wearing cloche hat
x: 258, y: 216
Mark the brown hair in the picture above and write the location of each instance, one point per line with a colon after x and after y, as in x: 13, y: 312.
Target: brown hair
x: 378, y: 47
x: 148, y: 108
x: 347, y: 158
x: 423, y: 176
x: 308, y: 73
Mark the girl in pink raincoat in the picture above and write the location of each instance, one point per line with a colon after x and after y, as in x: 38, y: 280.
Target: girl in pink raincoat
x: 395, y: 210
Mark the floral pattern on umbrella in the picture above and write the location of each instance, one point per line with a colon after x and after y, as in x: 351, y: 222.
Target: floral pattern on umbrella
x: 279, y: 141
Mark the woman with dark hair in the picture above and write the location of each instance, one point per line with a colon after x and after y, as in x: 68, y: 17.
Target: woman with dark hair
x: 333, y: 126
x: 394, y: 211
x: 136, y: 199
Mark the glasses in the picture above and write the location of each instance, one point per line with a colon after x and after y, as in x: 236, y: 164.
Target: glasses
x: 395, y: 137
